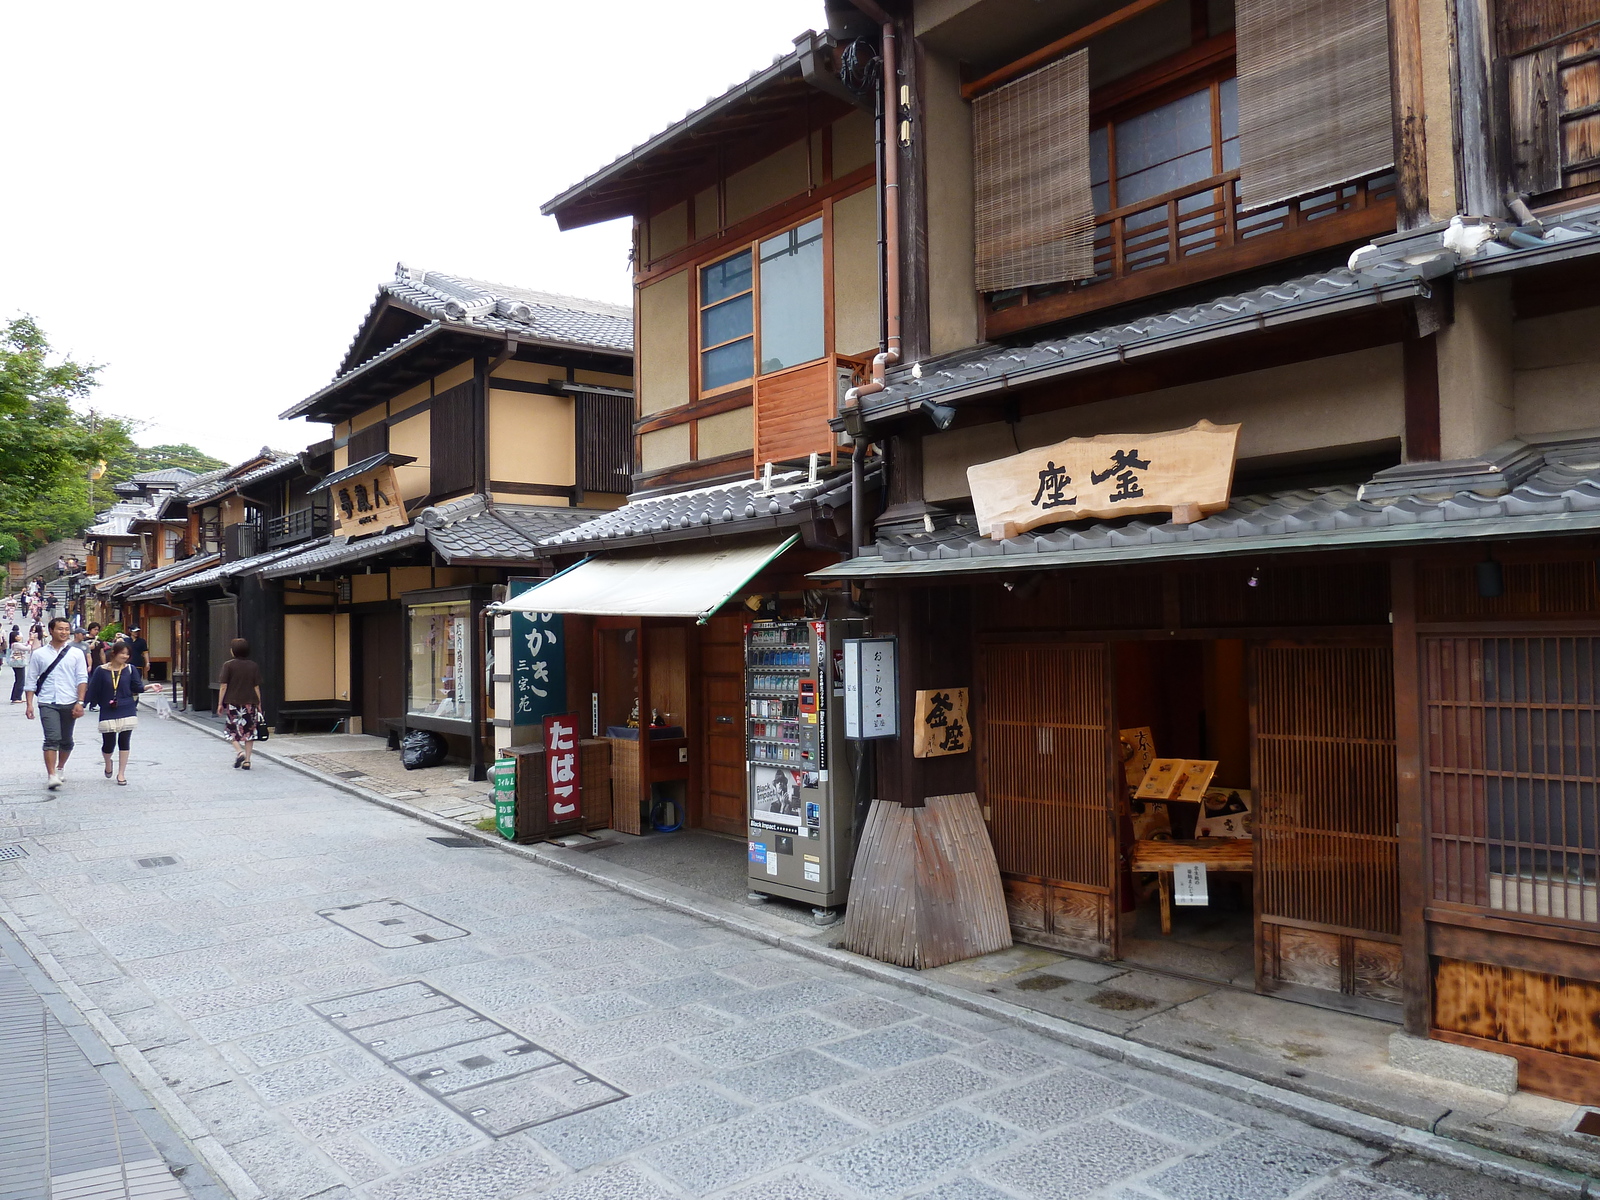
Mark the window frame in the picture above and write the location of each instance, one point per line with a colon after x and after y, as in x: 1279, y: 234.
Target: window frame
x: 752, y: 246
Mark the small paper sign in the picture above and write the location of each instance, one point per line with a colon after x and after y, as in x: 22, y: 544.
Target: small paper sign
x: 1189, y: 884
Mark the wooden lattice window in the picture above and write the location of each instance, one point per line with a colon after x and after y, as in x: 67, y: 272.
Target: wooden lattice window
x: 1551, y: 50
x: 1514, y: 822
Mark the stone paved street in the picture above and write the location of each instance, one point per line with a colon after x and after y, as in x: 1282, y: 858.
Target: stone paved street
x: 334, y: 1002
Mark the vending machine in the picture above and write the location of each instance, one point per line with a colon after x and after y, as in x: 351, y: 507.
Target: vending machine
x: 800, y: 787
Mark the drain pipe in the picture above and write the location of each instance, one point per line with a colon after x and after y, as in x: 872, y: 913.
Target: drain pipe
x: 889, y: 218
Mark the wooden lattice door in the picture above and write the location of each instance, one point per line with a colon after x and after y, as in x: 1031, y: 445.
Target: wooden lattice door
x: 1327, y: 868
x: 1047, y: 768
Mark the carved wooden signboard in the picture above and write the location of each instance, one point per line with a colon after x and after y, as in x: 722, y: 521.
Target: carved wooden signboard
x: 368, y: 503
x: 1188, y: 472
x: 942, y: 724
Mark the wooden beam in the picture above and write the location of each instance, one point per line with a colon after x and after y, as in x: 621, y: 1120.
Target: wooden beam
x: 1410, y: 135
x: 1057, y: 48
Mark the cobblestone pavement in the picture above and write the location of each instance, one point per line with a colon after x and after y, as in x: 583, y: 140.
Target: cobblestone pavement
x: 337, y: 1003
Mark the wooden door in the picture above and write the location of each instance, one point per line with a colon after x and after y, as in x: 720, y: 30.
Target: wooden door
x: 383, y: 669
x: 1327, y: 865
x: 722, y: 805
x: 1047, y: 768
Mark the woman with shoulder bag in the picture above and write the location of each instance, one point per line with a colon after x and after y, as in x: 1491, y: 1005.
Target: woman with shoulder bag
x: 114, y: 689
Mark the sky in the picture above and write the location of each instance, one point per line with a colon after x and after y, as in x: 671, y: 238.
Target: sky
x: 204, y: 197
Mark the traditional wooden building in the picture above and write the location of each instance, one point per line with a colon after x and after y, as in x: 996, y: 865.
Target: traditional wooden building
x: 1376, y: 641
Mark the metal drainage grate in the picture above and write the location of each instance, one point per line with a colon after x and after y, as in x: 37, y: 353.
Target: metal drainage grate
x: 456, y: 843
x: 164, y: 860
x: 10, y: 852
x: 491, y: 1075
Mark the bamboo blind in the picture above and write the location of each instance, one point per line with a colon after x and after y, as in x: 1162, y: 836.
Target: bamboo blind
x: 1032, y: 210
x: 1313, y: 96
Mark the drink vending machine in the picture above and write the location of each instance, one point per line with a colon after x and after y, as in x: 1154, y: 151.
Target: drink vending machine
x: 800, y: 786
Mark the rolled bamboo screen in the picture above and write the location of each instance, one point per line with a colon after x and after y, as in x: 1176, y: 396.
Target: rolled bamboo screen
x: 1033, y: 214
x: 1313, y: 96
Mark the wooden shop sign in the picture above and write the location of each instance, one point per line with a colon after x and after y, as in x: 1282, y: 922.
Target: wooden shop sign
x: 368, y: 503
x: 1187, y: 472
x: 942, y: 725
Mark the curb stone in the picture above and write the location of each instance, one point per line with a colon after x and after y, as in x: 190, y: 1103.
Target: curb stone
x: 1371, y: 1130
x: 219, y: 1174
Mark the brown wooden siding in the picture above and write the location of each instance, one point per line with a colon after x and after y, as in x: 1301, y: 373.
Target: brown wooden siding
x: 792, y: 411
x: 605, y: 443
x: 455, y: 437
x: 365, y: 443
x: 1449, y: 591
x: 1291, y: 594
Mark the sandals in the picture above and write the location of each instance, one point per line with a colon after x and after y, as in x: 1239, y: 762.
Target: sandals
x: 238, y: 762
x: 246, y: 765
x: 108, y: 772
x: 122, y: 783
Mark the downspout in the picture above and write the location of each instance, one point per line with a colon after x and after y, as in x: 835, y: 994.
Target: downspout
x: 889, y: 267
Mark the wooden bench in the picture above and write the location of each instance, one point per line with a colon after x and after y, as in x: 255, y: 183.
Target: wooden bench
x: 291, y: 716
x: 1218, y: 854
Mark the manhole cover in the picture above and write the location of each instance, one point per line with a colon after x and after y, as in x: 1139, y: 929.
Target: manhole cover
x: 10, y: 852
x: 391, y: 924
x: 491, y: 1075
x: 164, y: 860
x: 456, y: 843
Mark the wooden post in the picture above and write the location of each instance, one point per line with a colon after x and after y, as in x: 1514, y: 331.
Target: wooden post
x: 1420, y: 367
x: 1410, y: 134
x: 1415, y: 977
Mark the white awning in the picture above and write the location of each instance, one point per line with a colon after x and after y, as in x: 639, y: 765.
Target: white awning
x: 694, y: 583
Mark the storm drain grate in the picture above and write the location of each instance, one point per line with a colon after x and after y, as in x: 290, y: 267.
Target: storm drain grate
x: 492, y: 1076
x: 10, y: 852
x: 456, y: 843
x: 164, y: 860
x: 392, y: 924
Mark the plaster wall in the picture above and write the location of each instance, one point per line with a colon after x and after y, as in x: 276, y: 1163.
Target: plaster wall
x: 1556, y: 372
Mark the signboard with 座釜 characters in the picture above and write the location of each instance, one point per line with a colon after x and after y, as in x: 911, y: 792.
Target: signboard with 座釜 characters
x: 368, y: 503
x: 1185, y: 471
x: 942, y: 726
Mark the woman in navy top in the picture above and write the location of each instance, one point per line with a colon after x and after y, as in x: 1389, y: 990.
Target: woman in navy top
x: 114, y: 689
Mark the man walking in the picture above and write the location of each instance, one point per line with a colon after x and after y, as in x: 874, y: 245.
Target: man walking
x: 58, y: 674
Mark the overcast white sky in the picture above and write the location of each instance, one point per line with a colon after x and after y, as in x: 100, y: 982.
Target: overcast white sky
x: 205, y: 196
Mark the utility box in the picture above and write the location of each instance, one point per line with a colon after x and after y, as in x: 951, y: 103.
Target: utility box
x: 800, y: 785
x: 531, y: 822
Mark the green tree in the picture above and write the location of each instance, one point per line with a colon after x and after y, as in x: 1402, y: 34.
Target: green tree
x: 135, y: 460
x: 42, y: 440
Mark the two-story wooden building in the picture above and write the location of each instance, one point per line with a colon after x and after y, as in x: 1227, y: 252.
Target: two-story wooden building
x: 756, y: 234
x: 1364, y: 233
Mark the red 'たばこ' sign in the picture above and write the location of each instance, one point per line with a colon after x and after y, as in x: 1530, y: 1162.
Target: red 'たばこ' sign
x: 561, y: 767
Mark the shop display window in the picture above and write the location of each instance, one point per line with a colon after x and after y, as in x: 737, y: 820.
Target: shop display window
x: 440, y: 641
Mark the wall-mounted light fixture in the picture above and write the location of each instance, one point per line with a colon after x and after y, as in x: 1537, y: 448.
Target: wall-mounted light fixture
x: 1255, y: 578
x: 1491, y: 579
x: 940, y: 414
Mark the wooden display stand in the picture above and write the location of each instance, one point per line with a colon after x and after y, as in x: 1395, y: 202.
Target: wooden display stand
x: 1218, y: 854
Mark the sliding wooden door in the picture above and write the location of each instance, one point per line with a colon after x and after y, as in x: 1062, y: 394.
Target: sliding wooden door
x: 1327, y: 875
x: 1047, y: 769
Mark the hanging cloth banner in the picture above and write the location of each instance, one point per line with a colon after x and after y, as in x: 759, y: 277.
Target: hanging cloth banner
x: 1106, y: 476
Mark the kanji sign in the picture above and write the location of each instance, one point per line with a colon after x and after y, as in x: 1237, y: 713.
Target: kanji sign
x: 1109, y: 475
x: 562, y: 772
x: 871, y: 688
x: 368, y: 503
x: 943, y: 726
x: 538, y: 662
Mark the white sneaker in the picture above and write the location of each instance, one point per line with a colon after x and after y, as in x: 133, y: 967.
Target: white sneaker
x: 55, y: 782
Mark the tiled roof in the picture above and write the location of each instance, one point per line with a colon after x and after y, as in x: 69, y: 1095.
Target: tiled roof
x: 117, y: 520
x: 242, y: 566
x: 154, y: 585
x: 165, y: 475
x: 722, y: 508
x: 509, y: 533
x: 267, y: 463
x: 339, y: 550
x: 1560, y: 494
x: 513, y: 311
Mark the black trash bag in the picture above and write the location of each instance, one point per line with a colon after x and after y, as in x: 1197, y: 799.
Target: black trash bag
x: 421, y: 748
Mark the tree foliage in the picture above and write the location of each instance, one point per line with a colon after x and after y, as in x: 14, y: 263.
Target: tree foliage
x: 47, y: 448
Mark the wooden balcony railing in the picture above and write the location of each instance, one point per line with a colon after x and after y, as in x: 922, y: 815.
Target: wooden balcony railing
x: 1193, y: 234
x: 296, y: 526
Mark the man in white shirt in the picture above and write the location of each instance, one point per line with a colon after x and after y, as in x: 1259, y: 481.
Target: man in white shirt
x: 59, y: 675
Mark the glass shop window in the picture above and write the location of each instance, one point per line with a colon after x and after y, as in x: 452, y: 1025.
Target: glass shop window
x: 441, y: 661
x: 791, y: 297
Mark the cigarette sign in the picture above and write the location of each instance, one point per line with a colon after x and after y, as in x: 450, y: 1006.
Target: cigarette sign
x: 561, y: 766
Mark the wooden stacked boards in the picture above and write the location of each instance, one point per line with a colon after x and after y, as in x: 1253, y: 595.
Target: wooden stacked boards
x: 926, y: 888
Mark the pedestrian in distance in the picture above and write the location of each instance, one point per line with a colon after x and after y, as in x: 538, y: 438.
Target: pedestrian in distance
x: 140, y: 648
x: 114, y: 689
x: 95, y: 648
x: 61, y: 565
x: 241, y: 701
x: 58, y: 676
x: 17, y: 660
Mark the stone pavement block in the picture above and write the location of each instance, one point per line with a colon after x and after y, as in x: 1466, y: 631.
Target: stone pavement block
x: 1176, y: 1122
x: 1457, y: 1064
x: 296, y: 1081
x: 784, y: 998
x: 1349, y: 1187
x: 1056, y: 1099
x: 1252, y: 1166
x: 906, y: 1157
x: 609, y: 1183
x: 686, y: 989
x: 595, y: 1007
x: 188, y: 1066
x: 232, y: 1113
x: 350, y: 1108
x: 638, y: 1073
x: 768, y: 969
x: 734, y: 1151
x: 229, y: 999
x: 632, y: 1034
x: 612, y: 1130
x: 759, y: 1039
x: 116, y: 996
x: 883, y: 1099
x: 786, y: 1076
x: 790, y: 1185
x: 963, y: 1187
x: 892, y: 1047
x: 354, y: 1158
x: 244, y: 1022
x: 1005, y: 1059
x: 1081, y: 1160
x: 283, y: 1167
x: 417, y: 1137
x: 292, y: 1041
x: 205, y: 979
x: 867, y: 1012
